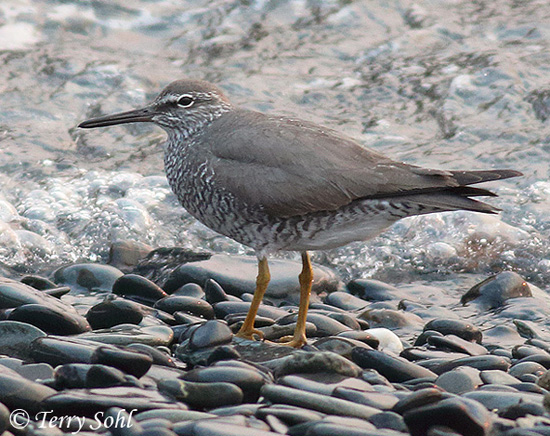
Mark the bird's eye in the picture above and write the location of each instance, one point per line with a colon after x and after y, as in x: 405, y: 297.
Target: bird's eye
x: 185, y: 101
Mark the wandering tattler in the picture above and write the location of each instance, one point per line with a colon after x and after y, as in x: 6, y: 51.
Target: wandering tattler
x: 277, y: 183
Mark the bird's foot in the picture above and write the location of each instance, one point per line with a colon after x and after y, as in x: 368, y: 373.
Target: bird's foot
x: 291, y: 341
x: 249, y: 334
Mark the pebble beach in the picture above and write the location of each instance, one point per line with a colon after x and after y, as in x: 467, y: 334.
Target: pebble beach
x: 118, y: 311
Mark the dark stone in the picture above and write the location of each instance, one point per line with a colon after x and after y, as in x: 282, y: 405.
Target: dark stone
x: 464, y: 416
x: 38, y: 282
x: 389, y: 318
x: 15, y: 294
x: 138, y: 288
x: 390, y: 420
x: 454, y: 343
x: 87, y: 277
x: 131, y: 362
x: 498, y: 377
x: 225, y: 308
x: 521, y: 410
x: 459, y: 380
x: 249, y: 381
x: 325, y: 325
x: 290, y: 415
x: 237, y: 275
x: 190, y: 290
x: 346, y: 301
x: 305, y: 362
x: 213, y: 292
x: 124, y: 424
x: 124, y: 255
x: 112, y: 312
x: 418, y: 399
x: 503, y: 399
x: 16, y: 338
x: 202, y: 395
x: 378, y: 400
x: 394, y: 368
x: 83, y: 375
x: 457, y: 327
x: 194, y: 306
x: 221, y: 353
x: 494, y: 291
x: 209, y: 334
x: 375, y: 290
x: 318, y: 402
x: 17, y: 392
x: 4, y: 418
x: 50, y: 319
x: 59, y: 351
x: 363, y: 336
x: 159, y: 357
x: 479, y: 362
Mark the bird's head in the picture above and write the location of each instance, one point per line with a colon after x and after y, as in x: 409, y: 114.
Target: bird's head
x: 183, y: 106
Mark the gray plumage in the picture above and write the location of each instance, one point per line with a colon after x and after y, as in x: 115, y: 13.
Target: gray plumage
x: 278, y: 183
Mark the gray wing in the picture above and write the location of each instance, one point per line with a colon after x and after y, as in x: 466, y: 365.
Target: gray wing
x: 292, y: 167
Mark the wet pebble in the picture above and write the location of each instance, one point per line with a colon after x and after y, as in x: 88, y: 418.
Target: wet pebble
x: 305, y: 362
x: 131, y: 362
x: 325, y: 325
x: 82, y: 375
x: 190, y: 290
x: 225, y: 308
x: 138, y: 288
x: 16, y: 392
x: 482, y: 363
x: 496, y: 290
x: 126, y: 334
x: 213, y: 292
x: 209, y: 334
x: 112, y: 312
x: 191, y: 305
x: 346, y: 301
x: 87, y: 276
x: 375, y: 290
x: 462, y: 329
x: 202, y: 395
x: 16, y: 338
x: 394, y: 368
x: 460, y: 380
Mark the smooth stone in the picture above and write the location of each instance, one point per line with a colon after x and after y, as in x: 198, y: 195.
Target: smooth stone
x: 248, y: 380
x: 244, y: 410
x: 185, y: 318
x: 83, y: 375
x: 389, y: 318
x: 503, y: 399
x: 422, y: 338
x: 306, y: 362
x: 374, y: 290
x: 521, y: 351
x: 521, y: 410
x: 237, y: 275
x: 31, y: 371
x: 4, y: 418
x: 190, y: 290
x: 209, y: 334
x: 131, y: 362
x: 543, y: 359
x: 394, y: 368
x: 387, y: 340
x: 389, y: 420
x: 159, y: 357
x: 498, y: 377
x: 363, y: 336
x: 213, y: 292
x: 159, y: 372
x: 290, y: 415
x: 59, y: 350
x: 496, y: 290
x: 345, y: 319
x: 456, y: 327
x: 50, y: 319
x: 15, y: 294
x: 323, y: 383
x: 202, y: 395
x: 87, y: 277
x: 328, y: 429
x: 325, y: 325
x: 126, y: 254
x: 225, y: 308
x: 378, y: 400
x: 173, y: 415
x: 38, y: 282
x: 87, y: 402
x: 465, y: 416
x: 16, y: 392
x: 138, y: 288
x: 191, y: 305
x: 482, y: 363
x: 16, y: 338
x: 321, y: 403
x: 459, y: 380
x: 126, y: 334
x: 213, y: 428
x: 125, y: 425
x: 426, y: 356
x: 112, y: 312
x: 454, y: 343
x: 341, y: 346
x: 346, y: 301
x: 420, y: 398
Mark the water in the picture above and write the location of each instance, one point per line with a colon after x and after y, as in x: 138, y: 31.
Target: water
x: 442, y: 83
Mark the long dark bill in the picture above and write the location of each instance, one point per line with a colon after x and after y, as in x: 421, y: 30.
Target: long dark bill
x: 134, y: 116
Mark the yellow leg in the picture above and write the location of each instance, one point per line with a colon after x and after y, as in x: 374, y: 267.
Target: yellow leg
x: 247, y: 330
x: 306, y: 279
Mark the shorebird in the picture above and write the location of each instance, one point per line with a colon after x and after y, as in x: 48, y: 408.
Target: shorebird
x: 277, y: 183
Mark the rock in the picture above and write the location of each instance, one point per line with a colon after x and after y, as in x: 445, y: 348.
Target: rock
x: 213, y: 292
x: 190, y: 290
x: 387, y: 340
x: 325, y: 326
x: 454, y: 343
x: 138, y: 288
x: 459, y: 380
x: 394, y: 368
x: 16, y: 338
x: 465, y: 416
x: 305, y: 362
x: 86, y: 277
x: 17, y: 392
x: 495, y: 290
x: 479, y: 362
x: 321, y: 403
x: 202, y: 395
x: 126, y: 334
x: 237, y: 275
x: 375, y: 290
x: 126, y: 254
x: 131, y: 362
x: 209, y: 334
x: 191, y: 305
x: 389, y: 318
x: 49, y: 319
x: 346, y: 301
x: 83, y: 375
x: 456, y: 327
x: 112, y: 312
